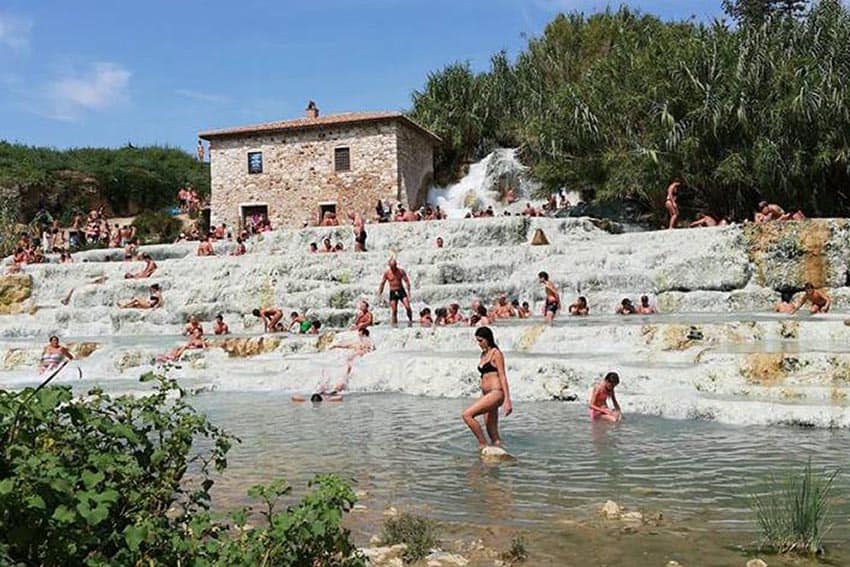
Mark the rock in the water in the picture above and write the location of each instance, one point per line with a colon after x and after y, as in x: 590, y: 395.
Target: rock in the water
x: 386, y: 556
x: 495, y: 455
x: 673, y: 564
x: 245, y: 347
x: 14, y: 291
x: 631, y: 516
x: 82, y: 349
x: 611, y: 510
x: 444, y: 559
x: 756, y: 563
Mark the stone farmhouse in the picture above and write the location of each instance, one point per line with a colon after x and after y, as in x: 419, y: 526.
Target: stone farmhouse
x: 296, y: 170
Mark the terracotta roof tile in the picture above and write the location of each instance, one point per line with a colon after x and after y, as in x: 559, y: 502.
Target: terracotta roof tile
x: 307, y: 123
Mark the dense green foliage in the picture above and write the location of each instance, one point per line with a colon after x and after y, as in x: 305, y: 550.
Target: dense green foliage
x: 618, y: 104
x: 417, y: 532
x: 126, y: 180
x: 792, y: 514
x: 103, y: 481
x: 155, y: 226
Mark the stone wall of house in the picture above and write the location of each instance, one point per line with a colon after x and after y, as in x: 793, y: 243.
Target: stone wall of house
x: 298, y: 172
x: 415, y: 165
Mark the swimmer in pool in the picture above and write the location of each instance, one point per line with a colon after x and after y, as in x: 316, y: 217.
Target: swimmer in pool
x: 325, y: 394
x: 580, y: 308
x: 820, y: 301
x: 645, y: 308
x: 494, y: 390
x: 603, y: 392
x: 53, y: 355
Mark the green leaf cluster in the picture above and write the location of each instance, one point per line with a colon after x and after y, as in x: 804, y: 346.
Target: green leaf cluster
x: 103, y: 481
x: 618, y: 103
x: 126, y: 180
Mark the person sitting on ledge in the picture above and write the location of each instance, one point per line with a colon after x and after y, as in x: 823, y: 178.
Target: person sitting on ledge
x: 192, y: 325
x: 154, y: 301
x: 271, y: 317
x: 706, y: 219
x: 326, y: 246
x: 364, y: 317
x: 502, y: 309
x: 454, y: 315
x: 785, y: 305
x: 579, y: 308
x: 770, y: 211
x: 626, y: 307
x: 425, y: 318
x: 195, y: 342
x: 205, y: 247
x: 820, y: 301
x: 645, y: 308
x: 239, y: 250
x: 314, y: 327
x: 339, y: 247
x: 298, y: 323
x: 440, y: 316
x: 146, y: 272
x: 314, y: 248
x: 220, y: 327
x: 524, y: 312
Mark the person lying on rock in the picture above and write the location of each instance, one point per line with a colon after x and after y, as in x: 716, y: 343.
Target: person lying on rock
x: 820, y: 301
x: 271, y: 317
x: 603, y: 392
x: 220, y: 327
x: 153, y: 301
x: 146, y: 272
x: 195, y: 342
x: 706, y: 219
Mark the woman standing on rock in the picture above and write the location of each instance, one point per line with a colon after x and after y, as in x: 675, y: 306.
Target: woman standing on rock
x: 494, y: 390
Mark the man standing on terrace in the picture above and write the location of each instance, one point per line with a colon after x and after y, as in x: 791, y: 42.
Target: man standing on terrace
x: 396, y: 278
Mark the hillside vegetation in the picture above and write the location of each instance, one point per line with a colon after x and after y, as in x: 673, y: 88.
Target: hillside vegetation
x: 617, y: 104
x: 126, y: 180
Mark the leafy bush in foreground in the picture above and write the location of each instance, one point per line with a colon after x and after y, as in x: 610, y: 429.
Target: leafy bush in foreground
x: 792, y: 516
x: 104, y: 481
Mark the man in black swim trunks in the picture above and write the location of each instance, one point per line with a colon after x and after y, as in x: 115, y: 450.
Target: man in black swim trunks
x: 396, y: 278
x: 553, y: 298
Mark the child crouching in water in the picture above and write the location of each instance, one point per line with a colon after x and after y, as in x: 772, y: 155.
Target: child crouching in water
x: 602, y: 392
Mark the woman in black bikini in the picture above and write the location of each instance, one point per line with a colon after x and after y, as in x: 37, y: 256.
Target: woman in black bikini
x: 494, y: 389
x: 153, y: 302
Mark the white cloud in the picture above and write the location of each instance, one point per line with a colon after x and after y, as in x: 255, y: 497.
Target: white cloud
x: 202, y: 97
x: 102, y: 87
x: 14, y: 31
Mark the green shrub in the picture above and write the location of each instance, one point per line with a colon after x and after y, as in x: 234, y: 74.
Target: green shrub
x: 417, y: 532
x: 792, y: 515
x: 101, y: 481
x: 516, y: 553
x: 157, y: 227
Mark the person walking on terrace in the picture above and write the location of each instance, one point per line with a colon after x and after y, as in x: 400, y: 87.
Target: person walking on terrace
x: 396, y: 278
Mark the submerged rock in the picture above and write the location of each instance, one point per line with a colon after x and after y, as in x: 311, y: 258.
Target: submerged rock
x: 611, y: 510
x: 495, y: 455
x: 756, y: 563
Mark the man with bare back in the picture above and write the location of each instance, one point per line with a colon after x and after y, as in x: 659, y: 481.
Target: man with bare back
x: 359, y: 231
x: 396, y: 278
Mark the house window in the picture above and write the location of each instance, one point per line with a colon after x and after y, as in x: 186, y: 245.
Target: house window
x: 255, y: 162
x: 342, y: 159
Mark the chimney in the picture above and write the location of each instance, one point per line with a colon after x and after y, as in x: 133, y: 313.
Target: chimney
x: 312, y: 110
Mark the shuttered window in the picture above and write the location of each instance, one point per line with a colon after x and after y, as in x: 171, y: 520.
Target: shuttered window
x: 342, y: 159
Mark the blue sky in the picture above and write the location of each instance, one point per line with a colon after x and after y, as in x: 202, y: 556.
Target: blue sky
x: 103, y: 73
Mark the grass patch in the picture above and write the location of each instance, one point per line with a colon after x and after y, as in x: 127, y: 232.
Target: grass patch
x: 793, y: 512
x: 516, y: 553
x: 417, y: 532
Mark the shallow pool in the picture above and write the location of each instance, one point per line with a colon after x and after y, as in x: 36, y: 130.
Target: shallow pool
x: 416, y: 452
